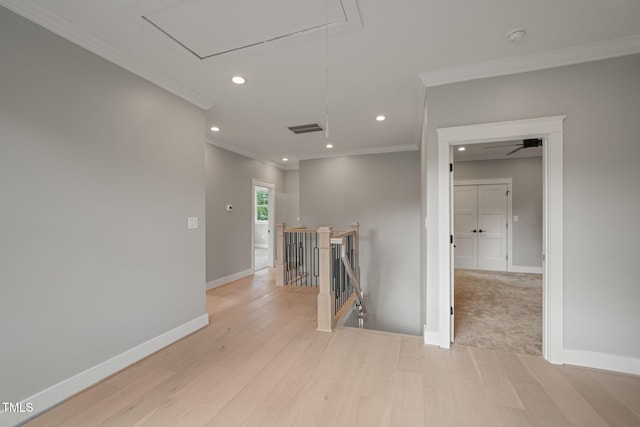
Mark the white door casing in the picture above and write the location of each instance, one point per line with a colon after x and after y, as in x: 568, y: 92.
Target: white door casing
x: 550, y: 129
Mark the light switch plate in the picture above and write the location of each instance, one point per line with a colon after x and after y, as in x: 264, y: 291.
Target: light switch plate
x: 515, y: 218
x: 192, y: 222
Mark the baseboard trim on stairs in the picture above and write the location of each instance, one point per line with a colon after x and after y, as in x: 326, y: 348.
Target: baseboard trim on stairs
x: 606, y: 361
x: 57, y: 393
x: 228, y: 279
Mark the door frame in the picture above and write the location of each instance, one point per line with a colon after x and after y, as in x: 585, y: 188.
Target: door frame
x: 550, y: 129
x: 489, y: 181
x: 271, y: 223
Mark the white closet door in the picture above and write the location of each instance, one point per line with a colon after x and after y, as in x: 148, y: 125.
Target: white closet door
x: 492, y: 227
x: 465, y: 226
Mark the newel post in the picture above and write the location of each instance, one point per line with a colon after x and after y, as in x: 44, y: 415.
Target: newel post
x: 326, y: 300
x: 280, y: 254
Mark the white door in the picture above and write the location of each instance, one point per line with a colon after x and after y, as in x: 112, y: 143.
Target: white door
x: 262, y: 223
x: 492, y: 227
x: 480, y: 227
x: 465, y: 226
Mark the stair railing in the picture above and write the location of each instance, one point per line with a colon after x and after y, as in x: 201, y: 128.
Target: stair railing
x: 328, y: 260
x: 350, y: 285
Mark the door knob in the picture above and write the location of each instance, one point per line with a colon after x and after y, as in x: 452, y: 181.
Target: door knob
x: 474, y: 231
x: 481, y: 231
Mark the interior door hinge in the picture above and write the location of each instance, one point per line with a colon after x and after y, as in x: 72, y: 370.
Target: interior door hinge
x: 451, y: 238
x: 450, y: 167
x: 451, y: 310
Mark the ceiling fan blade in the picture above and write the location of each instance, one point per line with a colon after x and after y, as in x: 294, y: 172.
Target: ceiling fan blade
x: 517, y: 149
x: 501, y: 146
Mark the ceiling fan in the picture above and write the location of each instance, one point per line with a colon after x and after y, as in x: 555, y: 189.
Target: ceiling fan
x: 526, y: 143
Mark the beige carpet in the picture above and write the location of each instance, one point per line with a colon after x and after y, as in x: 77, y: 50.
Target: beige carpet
x: 500, y: 311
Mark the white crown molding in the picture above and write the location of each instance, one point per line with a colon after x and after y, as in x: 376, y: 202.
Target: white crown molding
x: 362, y: 151
x: 48, y: 19
x: 293, y: 164
x: 246, y: 153
x: 534, y: 62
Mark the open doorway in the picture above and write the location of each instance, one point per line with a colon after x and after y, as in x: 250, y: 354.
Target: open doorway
x: 497, y: 233
x: 262, y: 224
x: 550, y: 130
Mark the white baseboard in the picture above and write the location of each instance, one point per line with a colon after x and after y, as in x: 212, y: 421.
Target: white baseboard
x: 228, y: 279
x: 606, y: 361
x: 525, y: 269
x: 67, y: 388
x: 431, y: 338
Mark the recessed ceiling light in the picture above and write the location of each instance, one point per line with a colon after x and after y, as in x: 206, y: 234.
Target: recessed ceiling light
x: 329, y: 145
x: 461, y: 148
x: 515, y: 35
x: 238, y: 80
x: 285, y: 159
x: 381, y: 118
x: 215, y: 128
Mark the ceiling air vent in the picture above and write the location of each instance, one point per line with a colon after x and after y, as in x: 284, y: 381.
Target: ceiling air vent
x: 313, y: 127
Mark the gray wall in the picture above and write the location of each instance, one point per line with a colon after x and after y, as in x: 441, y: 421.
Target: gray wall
x: 99, y: 171
x: 382, y: 192
x: 601, y: 175
x: 292, y: 198
x: 229, y: 181
x: 526, y: 198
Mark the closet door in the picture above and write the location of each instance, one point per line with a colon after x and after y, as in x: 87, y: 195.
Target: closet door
x: 465, y: 226
x: 492, y: 227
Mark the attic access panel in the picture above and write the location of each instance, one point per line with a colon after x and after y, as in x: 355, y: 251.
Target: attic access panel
x: 209, y: 28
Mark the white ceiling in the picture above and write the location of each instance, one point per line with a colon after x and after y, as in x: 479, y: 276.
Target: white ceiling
x: 380, y: 56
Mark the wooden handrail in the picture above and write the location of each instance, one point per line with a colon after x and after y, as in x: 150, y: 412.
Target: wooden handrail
x: 341, y: 234
x: 305, y: 260
x: 301, y: 230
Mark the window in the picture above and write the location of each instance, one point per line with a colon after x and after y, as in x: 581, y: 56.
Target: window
x: 262, y: 204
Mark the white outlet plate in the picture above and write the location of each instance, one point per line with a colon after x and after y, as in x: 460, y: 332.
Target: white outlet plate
x: 192, y: 222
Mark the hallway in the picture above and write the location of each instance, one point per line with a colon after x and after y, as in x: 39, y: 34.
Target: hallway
x: 261, y: 362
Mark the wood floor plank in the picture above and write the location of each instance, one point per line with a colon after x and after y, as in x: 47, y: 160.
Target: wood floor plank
x: 600, y: 398
x: 238, y: 410
x: 407, y: 400
x: 261, y: 362
x: 410, y: 357
x: 624, y: 387
x: 572, y: 405
x: 494, y: 379
x: 74, y: 405
x: 291, y: 384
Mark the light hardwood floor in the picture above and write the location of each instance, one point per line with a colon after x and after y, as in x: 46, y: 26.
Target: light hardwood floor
x: 261, y: 362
